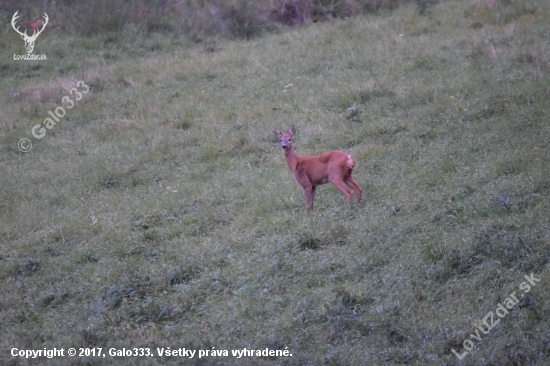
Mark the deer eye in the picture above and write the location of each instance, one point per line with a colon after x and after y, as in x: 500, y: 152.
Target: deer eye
x: 289, y: 140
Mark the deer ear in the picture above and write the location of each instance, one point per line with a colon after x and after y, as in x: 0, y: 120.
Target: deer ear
x: 292, y: 130
x: 278, y: 133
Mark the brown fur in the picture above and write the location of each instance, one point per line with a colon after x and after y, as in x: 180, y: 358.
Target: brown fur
x: 311, y: 171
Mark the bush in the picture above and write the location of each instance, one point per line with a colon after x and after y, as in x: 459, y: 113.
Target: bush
x: 194, y: 18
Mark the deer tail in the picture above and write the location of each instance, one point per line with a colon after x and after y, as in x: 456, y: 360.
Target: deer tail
x: 351, y: 162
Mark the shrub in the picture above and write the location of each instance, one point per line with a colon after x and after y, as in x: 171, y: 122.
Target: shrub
x: 193, y: 18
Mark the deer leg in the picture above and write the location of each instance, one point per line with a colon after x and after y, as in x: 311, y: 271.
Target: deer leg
x: 310, y: 196
x: 342, y: 188
x: 358, y: 190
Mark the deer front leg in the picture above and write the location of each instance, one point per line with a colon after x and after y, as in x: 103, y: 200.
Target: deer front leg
x: 310, y: 196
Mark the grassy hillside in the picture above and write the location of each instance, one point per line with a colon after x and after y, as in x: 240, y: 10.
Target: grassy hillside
x: 159, y: 211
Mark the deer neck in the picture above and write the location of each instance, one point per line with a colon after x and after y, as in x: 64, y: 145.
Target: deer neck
x: 291, y: 159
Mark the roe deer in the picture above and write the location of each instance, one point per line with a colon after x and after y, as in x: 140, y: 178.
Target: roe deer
x: 310, y: 171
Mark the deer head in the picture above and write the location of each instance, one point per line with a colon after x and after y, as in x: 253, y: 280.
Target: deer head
x: 29, y: 41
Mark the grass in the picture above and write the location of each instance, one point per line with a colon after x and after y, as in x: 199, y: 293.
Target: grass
x: 159, y: 212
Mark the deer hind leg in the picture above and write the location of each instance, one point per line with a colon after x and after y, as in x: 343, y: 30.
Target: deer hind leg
x: 339, y: 183
x: 358, y: 190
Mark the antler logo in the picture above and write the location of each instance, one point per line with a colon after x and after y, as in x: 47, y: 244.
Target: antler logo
x: 29, y: 41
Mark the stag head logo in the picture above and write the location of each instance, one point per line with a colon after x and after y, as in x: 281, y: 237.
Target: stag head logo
x: 29, y: 40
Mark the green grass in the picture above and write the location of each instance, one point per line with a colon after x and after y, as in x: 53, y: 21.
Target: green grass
x: 159, y: 212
